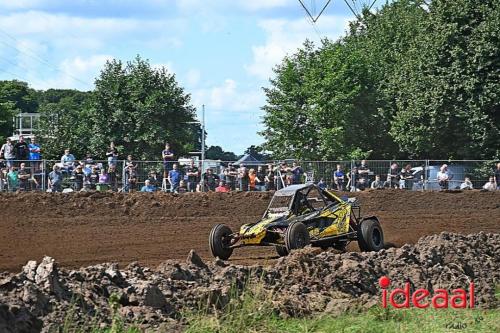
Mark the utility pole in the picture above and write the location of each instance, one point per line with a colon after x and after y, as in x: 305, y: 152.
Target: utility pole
x: 203, y: 138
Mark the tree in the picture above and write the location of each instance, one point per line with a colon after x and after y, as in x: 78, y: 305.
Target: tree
x: 414, y: 80
x: 64, y: 123
x: 140, y: 108
x: 258, y: 152
x: 15, y: 97
x: 7, y: 111
x: 217, y: 153
x: 449, y: 91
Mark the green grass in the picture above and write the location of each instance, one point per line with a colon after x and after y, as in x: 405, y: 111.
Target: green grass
x: 375, y: 320
x: 252, y: 312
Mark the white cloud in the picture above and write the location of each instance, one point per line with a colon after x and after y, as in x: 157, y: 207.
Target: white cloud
x: 229, y: 96
x: 77, y: 73
x: 285, y: 36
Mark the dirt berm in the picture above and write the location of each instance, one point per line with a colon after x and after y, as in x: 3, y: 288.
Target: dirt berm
x: 88, y: 228
x: 307, y: 282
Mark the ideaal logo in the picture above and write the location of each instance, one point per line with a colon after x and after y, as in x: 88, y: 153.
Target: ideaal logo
x: 422, y: 298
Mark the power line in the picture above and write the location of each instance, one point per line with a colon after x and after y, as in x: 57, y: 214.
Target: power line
x: 38, y: 58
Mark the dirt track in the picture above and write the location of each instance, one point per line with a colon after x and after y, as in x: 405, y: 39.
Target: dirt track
x: 85, y: 228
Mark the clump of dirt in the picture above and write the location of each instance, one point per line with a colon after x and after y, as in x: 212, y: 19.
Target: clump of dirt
x: 306, y: 282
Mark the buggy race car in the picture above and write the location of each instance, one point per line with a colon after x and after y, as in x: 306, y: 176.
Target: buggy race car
x: 301, y: 215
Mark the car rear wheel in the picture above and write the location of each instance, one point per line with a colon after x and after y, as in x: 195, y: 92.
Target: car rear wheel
x: 296, y: 236
x: 219, y: 241
x: 281, y: 250
x: 370, y: 235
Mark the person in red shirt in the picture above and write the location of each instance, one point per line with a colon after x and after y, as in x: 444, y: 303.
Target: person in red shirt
x: 222, y: 187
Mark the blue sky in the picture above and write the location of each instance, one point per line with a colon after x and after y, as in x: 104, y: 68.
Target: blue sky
x: 221, y: 51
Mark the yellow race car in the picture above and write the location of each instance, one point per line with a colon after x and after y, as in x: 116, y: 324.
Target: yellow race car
x: 301, y: 215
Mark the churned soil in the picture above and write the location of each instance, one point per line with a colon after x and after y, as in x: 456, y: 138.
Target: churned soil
x: 81, y: 229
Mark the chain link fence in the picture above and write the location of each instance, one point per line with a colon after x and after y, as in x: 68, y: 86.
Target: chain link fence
x: 121, y: 175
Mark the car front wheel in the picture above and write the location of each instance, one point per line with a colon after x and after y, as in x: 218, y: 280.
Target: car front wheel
x: 370, y: 235
x: 220, y: 240
x: 296, y: 236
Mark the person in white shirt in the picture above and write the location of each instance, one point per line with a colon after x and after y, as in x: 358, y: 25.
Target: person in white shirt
x: 490, y: 185
x: 467, y: 184
x: 444, y: 176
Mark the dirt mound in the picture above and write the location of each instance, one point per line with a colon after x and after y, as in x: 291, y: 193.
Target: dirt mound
x: 88, y: 228
x: 304, y: 283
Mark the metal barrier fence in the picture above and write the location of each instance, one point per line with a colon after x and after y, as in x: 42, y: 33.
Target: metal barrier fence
x: 422, y: 174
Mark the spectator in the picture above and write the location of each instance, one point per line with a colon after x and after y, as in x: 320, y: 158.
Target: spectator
x: 444, y: 176
x: 339, y: 178
x: 243, y: 178
x: 8, y: 152
x: 153, y: 178
x: 222, y: 173
x: 393, y: 176
x: 497, y: 176
x: 168, y: 156
x: 363, y: 173
x: 12, y: 179
x: 210, y: 180
x: 67, y: 161
x: 35, y: 154
x: 231, y: 176
x: 130, y: 162
x: 55, y: 179
x: 223, y: 188
x: 174, y: 178
x: 281, y: 175
x: 22, y: 150
x: 24, y: 176
x: 377, y: 184
x: 251, y: 179
x: 182, y: 187
x: 130, y: 176
x: 93, y: 178
x: 3, y: 173
x: 406, y: 175
x: 270, y: 178
x: 112, y: 154
x: 148, y: 187
x: 260, y: 179
x: 490, y: 185
x: 297, y: 172
x: 352, y: 176
x: 467, y: 184
x: 193, y: 176
x: 322, y: 184
x: 78, y: 177
x: 89, y: 160
x: 113, y: 177
x: 103, y: 177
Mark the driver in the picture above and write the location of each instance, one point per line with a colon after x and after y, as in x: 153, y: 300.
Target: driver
x: 303, y: 205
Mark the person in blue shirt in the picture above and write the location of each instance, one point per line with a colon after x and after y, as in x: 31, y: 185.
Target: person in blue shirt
x: 34, y: 148
x: 174, y: 177
x: 148, y: 187
x: 338, y: 178
x: 34, y: 154
x: 296, y: 173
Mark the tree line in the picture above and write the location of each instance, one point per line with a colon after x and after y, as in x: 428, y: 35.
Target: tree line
x: 417, y: 79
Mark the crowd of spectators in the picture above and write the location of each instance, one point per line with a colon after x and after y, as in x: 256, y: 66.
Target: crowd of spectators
x: 20, y: 165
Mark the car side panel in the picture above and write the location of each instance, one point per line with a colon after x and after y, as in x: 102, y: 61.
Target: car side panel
x: 340, y: 221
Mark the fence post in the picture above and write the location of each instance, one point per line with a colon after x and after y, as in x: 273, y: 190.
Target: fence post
x: 426, y: 181
x: 43, y: 166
